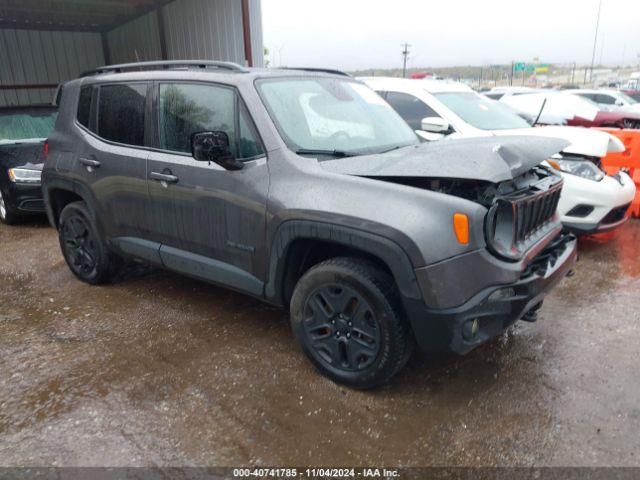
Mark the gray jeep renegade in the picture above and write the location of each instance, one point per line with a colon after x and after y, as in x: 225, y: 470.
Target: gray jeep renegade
x: 306, y: 190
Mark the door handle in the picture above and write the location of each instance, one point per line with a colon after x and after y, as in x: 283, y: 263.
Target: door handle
x: 89, y: 162
x: 163, y: 177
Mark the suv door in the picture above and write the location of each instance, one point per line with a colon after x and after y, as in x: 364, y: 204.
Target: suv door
x: 202, y: 212
x: 111, y: 158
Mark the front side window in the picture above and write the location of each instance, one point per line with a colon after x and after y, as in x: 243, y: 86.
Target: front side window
x: 121, y: 113
x: 606, y: 99
x: 481, y: 112
x: 331, y: 114
x: 189, y: 108
x: 410, y: 108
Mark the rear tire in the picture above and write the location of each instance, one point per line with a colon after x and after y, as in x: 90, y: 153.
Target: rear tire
x: 83, y: 248
x: 346, y: 314
x: 7, y: 215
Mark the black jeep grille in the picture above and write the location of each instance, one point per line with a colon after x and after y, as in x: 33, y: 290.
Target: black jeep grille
x: 517, y: 221
x: 532, y: 213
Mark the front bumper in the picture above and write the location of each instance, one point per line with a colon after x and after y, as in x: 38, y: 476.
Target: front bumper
x: 605, y: 198
x: 496, y: 307
x: 26, y: 198
x: 617, y: 217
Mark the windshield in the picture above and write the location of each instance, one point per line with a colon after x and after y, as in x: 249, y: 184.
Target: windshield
x: 481, y: 112
x: 26, y: 124
x: 330, y: 114
x: 627, y: 98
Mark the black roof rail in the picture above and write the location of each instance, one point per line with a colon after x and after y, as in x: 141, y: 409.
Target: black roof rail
x: 165, y: 64
x: 318, y: 70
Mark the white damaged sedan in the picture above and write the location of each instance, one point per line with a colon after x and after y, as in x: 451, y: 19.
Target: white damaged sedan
x: 591, y: 200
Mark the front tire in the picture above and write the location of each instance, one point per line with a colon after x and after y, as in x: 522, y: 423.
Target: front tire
x: 347, y: 316
x: 7, y: 214
x: 83, y: 248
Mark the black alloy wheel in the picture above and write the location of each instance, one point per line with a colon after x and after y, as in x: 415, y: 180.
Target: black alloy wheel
x: 342, y: 328
x: 348, y: 318
x: 84, y: 250
x: 79, y: 246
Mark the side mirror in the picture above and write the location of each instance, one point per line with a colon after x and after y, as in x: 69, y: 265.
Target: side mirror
x: 435, y: 125
x: 214, y: 147
x: 619, y: 103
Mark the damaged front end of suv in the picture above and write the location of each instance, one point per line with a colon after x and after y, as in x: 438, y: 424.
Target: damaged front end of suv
x: 519, y: 252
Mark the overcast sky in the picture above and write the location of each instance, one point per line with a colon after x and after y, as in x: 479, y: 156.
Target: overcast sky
x: 358, y: 34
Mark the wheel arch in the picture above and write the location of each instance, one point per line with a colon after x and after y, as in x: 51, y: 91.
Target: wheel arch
x: 58, y: 193
x: 297, y: 245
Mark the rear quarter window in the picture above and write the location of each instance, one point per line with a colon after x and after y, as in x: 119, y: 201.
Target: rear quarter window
x: 84, y: 105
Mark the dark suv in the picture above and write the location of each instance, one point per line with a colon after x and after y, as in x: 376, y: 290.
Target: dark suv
x: 306, y: 190
x: 23, y: 131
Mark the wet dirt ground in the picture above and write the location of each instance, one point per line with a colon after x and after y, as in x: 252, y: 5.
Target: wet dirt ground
x: 160, y: 370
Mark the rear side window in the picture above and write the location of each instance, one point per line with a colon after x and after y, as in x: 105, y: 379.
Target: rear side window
x: 410, y: 108
x: 187, y: 108
x: 121, y: 113
x: 84, y: 105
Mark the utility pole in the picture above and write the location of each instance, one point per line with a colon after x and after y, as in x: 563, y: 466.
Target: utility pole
x: 405, y: 56
x: 595, y: 41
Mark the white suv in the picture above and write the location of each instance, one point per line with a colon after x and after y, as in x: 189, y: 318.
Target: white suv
x: 591, y: 202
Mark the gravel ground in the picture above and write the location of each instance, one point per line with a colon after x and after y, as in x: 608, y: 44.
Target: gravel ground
x: 159, y: 370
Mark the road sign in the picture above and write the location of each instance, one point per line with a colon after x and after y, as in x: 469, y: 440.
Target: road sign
x: 519, y: 67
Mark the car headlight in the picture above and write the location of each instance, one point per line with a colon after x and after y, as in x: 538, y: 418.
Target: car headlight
x: 581, y: 168
x: 25, y: 175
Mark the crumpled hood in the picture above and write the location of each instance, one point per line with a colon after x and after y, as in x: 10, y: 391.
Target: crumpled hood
x: 583, y: 141
x: 491, y: 159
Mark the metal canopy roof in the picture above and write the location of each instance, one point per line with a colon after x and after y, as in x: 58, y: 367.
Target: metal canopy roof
x: 73, y: 15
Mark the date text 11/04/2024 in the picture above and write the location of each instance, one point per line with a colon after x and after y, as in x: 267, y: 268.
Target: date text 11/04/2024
x: 315, y: 473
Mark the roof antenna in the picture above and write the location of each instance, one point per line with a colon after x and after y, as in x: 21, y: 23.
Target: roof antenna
x: 540, y: 112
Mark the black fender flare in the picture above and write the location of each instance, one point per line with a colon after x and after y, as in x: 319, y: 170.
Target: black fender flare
x: 381, y: 247
x: 53, y: 182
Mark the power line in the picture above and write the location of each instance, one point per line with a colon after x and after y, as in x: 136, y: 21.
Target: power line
x: 595, y: 40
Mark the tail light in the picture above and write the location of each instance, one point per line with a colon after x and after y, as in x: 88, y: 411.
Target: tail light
x: 46, y: 149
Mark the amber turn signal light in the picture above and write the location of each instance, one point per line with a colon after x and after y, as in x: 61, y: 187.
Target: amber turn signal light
x: 554, y: 164
x: 461, y: 227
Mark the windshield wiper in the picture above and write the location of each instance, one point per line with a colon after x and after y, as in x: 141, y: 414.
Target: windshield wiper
x: 333, y: 153
x: 393, y: 148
